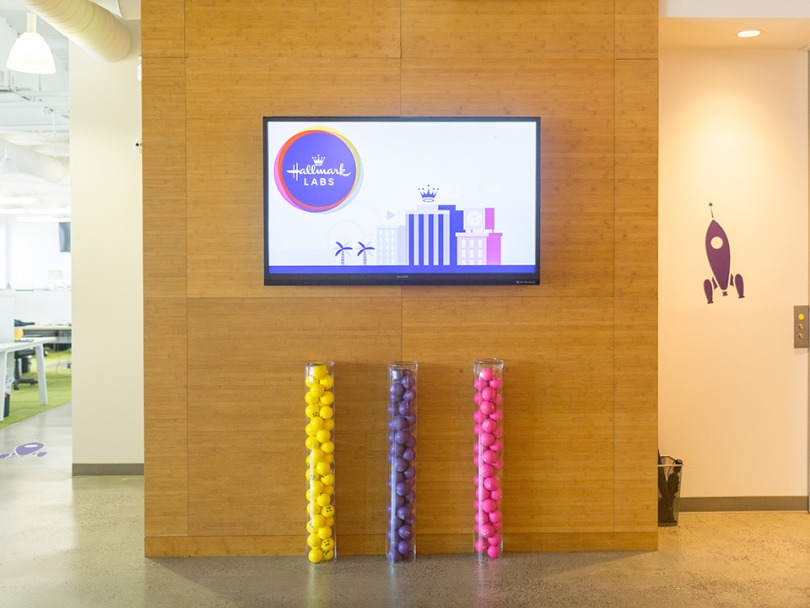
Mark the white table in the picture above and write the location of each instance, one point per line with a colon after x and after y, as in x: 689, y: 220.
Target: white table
x: 38, y: 345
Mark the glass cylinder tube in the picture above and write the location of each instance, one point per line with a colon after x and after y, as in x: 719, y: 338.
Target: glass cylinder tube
x: 488, y: 382
x: 320, y: 429
x: 401, y: 536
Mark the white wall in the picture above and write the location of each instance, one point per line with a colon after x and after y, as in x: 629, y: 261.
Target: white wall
x: 35, y: 256
x: 105, y: 122
x: 732, y: 390
x: 783, y: 9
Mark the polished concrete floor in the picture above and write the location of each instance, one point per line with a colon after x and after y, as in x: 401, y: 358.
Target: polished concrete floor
x: 68, y: 542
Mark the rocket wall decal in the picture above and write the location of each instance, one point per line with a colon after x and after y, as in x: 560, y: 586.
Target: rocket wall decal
x: 719, y: 253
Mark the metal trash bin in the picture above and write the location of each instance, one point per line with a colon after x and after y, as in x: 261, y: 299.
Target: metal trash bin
x: 670, y: 471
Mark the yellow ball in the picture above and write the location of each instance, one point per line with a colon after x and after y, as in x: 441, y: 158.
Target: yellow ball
x: 319, y: 372
x: 327, y: 448
x: 327, y: 398
x: 312, y: 443
x: 313, y: 540
x: 327, y: 382
x: 317, y: 454
x: 328, y: 511
x: 328, y: 424
x: 309, y: 499
x: 330, y: 521
x: 317, y: 521
x: 328, y: 544
x: 323, y: 468
x: 317, y: 486
x: 326, y: 412
x: 312, y: 397
x: 329, y: 490
x: 324, y: 499
x: 311, y: 430
x: 311, y: 382
x: 315, y: 556
x: 327, y: 555
x: 323, y: 435
x: 311, y: 525
x: 317, y: 423
x: 317, y: 389
x: 313, y: 509
x: 325, y: 533
x: 330, y: 458
x: 311, y: 475
x: 328, y: 480
x: 313, y: 410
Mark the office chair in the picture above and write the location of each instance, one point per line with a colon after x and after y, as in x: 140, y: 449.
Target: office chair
x: 22, y: 359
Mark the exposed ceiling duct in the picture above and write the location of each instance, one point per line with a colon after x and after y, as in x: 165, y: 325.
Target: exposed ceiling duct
x: 89, y: 25
x: 33, y: 163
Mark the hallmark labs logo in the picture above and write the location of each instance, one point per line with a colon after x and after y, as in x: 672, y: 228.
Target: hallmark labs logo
x: 318, y: 170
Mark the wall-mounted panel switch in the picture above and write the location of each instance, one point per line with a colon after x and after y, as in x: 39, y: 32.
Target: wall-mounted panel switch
x: 800, y: 327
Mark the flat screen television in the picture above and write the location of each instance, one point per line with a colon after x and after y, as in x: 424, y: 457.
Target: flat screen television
x: 401, y: 201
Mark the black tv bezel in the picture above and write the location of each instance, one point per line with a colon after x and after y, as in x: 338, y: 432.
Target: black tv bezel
x: 392, y: 278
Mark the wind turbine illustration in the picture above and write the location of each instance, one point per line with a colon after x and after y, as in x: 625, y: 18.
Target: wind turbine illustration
x: 342, y: 251
x: 719, y: 253
x: 363, y: 251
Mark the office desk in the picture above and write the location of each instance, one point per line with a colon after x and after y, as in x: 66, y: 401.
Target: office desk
x: 62, y: 333
x: 38, y: 345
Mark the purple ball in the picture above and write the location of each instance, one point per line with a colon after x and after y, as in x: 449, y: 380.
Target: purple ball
x: 391, y: 458
x: 401, y: 464
x: 394, y: 555
x: 408, y: 381
x: 408, y: 454
x: 400, y: 477
x: 389, y: 484
x: 393, y: 537
x: 412, y: 442
x: 411, y: 496
x: 403, y: 437
x: 411, y: 521
x: 405, y: 532
x: 395, y: 398
x: 403, y: 489
x: 392, y: 409
x: 391, y: 425
x: 392, y: 437
x: 396, y: 374
x: 404, y: 547
x: 395, y: 523
x: 404, y: 512
x: 399, y: 501
x: 410, y: 473
x: 405, y: 408
x: 396, y: 449
x: 399, y: 423
x: 411, y: 419
x: 409, y: 395
x: 388, y: 508
x: 396, y: 390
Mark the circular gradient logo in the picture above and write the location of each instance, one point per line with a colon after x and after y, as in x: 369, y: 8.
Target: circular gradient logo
x: 318, y: 170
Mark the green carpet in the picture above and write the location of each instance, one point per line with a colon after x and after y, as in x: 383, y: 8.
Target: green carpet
x: 25, y: 401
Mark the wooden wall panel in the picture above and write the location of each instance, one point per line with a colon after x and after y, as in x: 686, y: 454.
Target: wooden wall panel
x: 290, y: 28
x: 558, y: 409
x: 636, y: 414
x: 636, y: 271
x: 163, y: 126
x: 162, y: 28
x: 526, y: 29
x: 166, y: 417
x: 225, y: 238
x: 575, y: 101
x: 246, y: 410
x: 636, y: 29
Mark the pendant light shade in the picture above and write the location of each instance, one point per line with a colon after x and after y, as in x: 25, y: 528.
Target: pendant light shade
x: 7, y: 166
x: 30, y: 52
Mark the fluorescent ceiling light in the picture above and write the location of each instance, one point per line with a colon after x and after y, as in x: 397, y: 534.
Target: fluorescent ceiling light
x: 749, y: 33
x: 51, y: 211
x: 30, y: 52
x: 37, y: 218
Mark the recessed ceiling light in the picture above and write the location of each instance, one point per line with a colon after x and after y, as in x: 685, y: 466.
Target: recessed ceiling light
x: 749, y: 33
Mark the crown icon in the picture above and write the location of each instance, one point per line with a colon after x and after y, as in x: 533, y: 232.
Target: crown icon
x: 428, y: 195
x: 318, y: 160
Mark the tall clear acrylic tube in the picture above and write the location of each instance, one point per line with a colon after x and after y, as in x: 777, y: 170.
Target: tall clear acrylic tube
x: 402, y: 391
x: 488, y: 383
x: 320, y: 442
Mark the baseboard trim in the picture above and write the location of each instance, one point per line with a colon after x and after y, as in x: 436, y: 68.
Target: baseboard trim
x: 744, y: 503
x: 80, y: 470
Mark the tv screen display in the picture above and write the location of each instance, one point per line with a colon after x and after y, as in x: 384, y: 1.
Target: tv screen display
x: 401, y: 201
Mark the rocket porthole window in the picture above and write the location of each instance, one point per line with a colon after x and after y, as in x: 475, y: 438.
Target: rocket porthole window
x: 717, y: 242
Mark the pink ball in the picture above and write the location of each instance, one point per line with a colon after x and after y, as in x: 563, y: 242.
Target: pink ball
x: 487, y: 470
x: 477, y: 430
x: 495, y: 539
x: 481, y: 545
x: 487, y: 439
x: 476, y: 447
x: 492, y: 483
x: 497, y: 401
x: 480, y: 383
x: 498, y: 432
x: 496, y: 494
x: 498, y: 445
x: 497, y: 415
x: 475, y: 459
x: 497, y: 463
x: 482, y: 493
x: 496, y: 383
x: 486, y: 530
x: 481, y: 518
x: 490, y: 457
x: 498, y: 526
x: 475, y: 504
x: 489, y: 505
x: 478, y: 399
x: 477, y: 529
x: 489, y: 425
x: 479, y: 416
x: 487, y: 394
x: 494, y: 551
x: 487, y: 407
x: 487, y: 374
x: 479, y: 481
x: 495, y: 516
